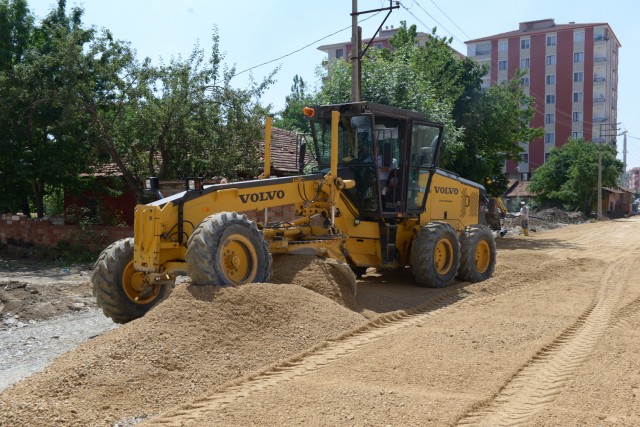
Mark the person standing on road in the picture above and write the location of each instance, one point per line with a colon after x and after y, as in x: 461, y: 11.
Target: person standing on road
x: 524, y: 217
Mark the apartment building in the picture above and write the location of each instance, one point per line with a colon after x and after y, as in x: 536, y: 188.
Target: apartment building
x: 342, y: 50
x: 571, y: 74
x: 633, y: 180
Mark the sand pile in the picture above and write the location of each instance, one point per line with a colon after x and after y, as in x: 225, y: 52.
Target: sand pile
x: 315, y: 274
x: 196, y: 340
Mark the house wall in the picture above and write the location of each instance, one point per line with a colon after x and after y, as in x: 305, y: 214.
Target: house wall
x: 43, y: 233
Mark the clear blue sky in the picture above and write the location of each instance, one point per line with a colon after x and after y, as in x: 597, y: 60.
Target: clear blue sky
x: 256, y: 31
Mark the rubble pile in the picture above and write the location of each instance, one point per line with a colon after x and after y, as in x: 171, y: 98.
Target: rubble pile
x: 543, y: 220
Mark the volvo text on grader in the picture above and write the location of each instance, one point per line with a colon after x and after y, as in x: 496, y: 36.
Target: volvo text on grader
x: 377, y: 199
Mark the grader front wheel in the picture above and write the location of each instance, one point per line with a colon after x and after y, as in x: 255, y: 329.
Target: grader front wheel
x: 121, y: 291
x: 435, y: 255
x: 228, y: 249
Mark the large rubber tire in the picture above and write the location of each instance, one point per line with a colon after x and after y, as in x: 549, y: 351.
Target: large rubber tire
x: 227, y: 249
x: 119, y: 290
x: 435, y: 255
x: 478, y: 254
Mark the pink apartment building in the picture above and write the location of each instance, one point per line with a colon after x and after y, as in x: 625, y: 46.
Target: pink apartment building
x: 570, y: 72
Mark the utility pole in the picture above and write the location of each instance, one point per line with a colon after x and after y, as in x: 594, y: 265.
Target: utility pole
x: 356, y: 41
x: 614, y: 125
x: 356, y: 36
x: 599, y: 210
x: 624, y: 159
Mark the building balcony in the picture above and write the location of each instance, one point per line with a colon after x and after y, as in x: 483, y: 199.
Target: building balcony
x: 601, y: 38
x: 600, y: 119
x: 598, y: 79
x: 599, y: 99
x: 600, y: 59
x: 483, y: 52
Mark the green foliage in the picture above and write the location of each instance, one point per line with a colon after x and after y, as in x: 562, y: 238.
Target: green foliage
x: 292, y: 118
x: 570, y: 175
x: 75, y: 100
x: 494, y: 121
x: 54, y: 201
x: 42, y: 146
x: 482, y: 128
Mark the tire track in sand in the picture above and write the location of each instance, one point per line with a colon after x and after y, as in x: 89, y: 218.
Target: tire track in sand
x: 539, y: 381
x: 323, y: 355
x: 308, y: 362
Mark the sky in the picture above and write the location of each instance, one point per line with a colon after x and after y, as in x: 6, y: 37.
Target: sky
x: 285, y: 34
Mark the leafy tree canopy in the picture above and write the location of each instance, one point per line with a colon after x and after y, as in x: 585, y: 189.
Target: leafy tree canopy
x: 570, y: 175
x: 482, y: 128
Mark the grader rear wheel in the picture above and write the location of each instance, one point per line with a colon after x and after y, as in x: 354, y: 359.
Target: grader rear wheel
x: 121, y: 291
x: 435, y: 255
x: 478, y: 254
x: 227, y: 249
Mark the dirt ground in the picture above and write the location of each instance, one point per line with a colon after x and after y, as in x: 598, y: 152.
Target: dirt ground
x: 552, y: 339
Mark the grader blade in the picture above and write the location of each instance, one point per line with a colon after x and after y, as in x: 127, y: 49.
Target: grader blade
x: 346, y: 272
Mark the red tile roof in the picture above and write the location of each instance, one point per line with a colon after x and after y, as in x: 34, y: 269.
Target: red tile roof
x: 284, y: 151
x: 520, y: 190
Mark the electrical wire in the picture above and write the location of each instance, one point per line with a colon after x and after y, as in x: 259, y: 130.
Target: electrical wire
x: 461, y: 30
x: 304, y: 47
x: 437, y: 22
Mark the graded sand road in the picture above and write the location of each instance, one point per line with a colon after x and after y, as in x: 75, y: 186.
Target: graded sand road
x: 552, y: 339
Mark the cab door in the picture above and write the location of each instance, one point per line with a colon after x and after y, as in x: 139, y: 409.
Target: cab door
x: 424, y: 152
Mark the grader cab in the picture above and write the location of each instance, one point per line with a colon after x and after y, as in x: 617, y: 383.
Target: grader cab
x: 375, y: 198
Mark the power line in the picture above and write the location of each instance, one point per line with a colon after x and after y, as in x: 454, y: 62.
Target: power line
x: 304, y: 47
x: 436, y: 21
x: 465, y: 34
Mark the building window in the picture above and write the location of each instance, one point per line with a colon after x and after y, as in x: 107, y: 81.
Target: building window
x: 551, y: 40
x: 551, y: 79
x: 524, y: 44
x: 549, y: 118
x: 551, y: 60
x: 577, y: 116
x: 578, y: 77
x: 577, y: 135
x: 578, y: 37
x: 377, y: 45
x: 339, y: 53
x: 503, y: 46
x: 551, y: 99
x: 546, y: 156
x: 578, y: 57
x: 502, y: 65
x: 577, y: 96
x: 524, y: 81
x: 524, y: 158
x: 524, y: 63
x: 550, y: 138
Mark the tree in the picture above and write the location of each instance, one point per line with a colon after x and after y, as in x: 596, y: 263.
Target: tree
x: 482, y: 128
x: 44, y: 145
x: 292, y: 118
x: 16, y: 26
x: 172, y: 121
x: 570, y: 175
x: 494, y: 121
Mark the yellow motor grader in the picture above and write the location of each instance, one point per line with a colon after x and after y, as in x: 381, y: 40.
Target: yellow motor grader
x: 375, y: 198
